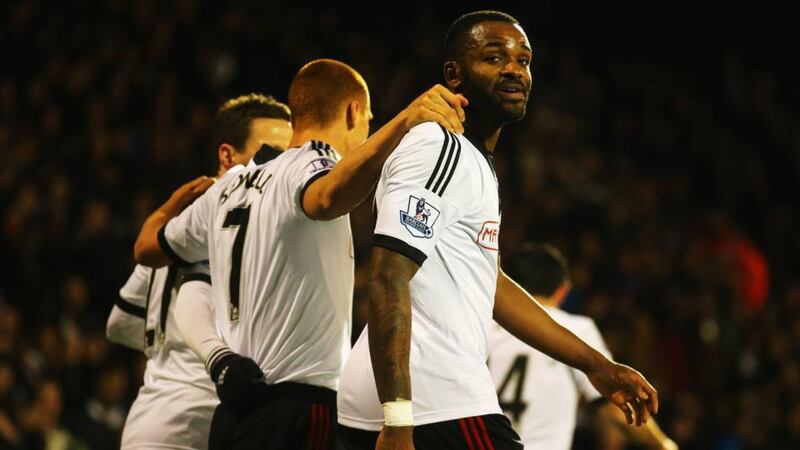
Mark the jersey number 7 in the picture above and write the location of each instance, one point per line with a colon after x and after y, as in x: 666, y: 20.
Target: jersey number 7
x: 236, y: 217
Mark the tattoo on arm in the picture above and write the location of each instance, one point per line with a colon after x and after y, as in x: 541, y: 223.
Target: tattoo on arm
x: 390, y: 323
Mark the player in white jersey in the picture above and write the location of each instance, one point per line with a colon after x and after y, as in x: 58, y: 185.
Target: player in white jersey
x: 435, y: 265
x: 279, y: 243
x: 539, y: 394
x: 174, y: 406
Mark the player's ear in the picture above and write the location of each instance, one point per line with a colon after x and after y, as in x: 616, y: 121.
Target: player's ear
x: 452, y: 75
x: 225, y: 154
x: 353, y: 110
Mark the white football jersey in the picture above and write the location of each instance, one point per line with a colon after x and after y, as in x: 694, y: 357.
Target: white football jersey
x: 283, y: 283
x: 539, y: 394
x: 438, y: 205
x: 174, y: 406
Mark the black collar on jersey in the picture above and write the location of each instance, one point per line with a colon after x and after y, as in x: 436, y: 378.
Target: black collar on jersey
x: 266, y: 153
x: 481, y: 146
x: 477, y: 142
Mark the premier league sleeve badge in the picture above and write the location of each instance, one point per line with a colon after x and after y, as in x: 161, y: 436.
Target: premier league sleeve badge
x: 419, y: 217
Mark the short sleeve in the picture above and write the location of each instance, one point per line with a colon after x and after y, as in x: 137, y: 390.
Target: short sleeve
x: 196, y: 272
x: 184, y: 239
x: 591, y: 335
x: 313, y: 162
x: 134, y: 292
x: 412, y: 200
x: 126, y: 323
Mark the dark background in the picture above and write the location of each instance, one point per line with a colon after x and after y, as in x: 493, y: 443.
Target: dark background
x: 660, y: 153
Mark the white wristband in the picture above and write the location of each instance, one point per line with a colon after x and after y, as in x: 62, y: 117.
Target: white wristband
x: 398, y: 413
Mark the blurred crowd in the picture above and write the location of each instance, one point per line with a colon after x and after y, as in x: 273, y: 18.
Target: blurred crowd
x: 670, y: 185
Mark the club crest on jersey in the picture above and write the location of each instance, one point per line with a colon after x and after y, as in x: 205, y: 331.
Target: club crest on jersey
x: 419, y: 217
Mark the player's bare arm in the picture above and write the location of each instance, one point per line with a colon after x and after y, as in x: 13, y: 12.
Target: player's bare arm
x: 146, y: 250
x: 516, y: 311
x: 390, y: 335
x: 352, y: 179
x: 648, y: 436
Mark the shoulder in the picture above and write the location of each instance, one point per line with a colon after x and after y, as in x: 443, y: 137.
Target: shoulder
x: 309, y: 157
x: 291, y: 154
x: 428, y: 152
x: 431, y: 130
x: 422, y: 140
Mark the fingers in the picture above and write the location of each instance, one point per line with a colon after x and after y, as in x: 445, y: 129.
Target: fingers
x: 641, y: 412
x: 653, y: 397
x: 646, y: 393
x: 438, y: 104
x: 200, y: 185
x: 628, y: 411
x: 442, y: 119
x: 619, y: 400
x: 448, y: 114
x: 645, y: 401
x: 443, y: 106
x: 455, y: 101
x: 635, y: 410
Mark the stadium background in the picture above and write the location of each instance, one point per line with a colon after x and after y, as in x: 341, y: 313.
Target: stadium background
x: 661, y: 153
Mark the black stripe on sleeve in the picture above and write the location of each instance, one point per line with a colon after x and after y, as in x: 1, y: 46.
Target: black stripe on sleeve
x: 164, y: 244
x: 443, y: 173
x: 452, y: 169
x: 166, y: 297
x: 441, y: 158
x: 130, y: 308
x: 398, y: 246
x: 197, y: 277
x: 308, y: 184
x: 149, y: 338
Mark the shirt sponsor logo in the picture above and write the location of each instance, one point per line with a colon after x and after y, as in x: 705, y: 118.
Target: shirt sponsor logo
x: 489, y: 236
x: 419, y: 217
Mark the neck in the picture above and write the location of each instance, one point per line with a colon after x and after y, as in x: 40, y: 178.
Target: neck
x: 326, y: 135
x: 484, y: 130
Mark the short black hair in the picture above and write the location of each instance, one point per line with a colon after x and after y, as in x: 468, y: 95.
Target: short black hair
x: 320, y: 89
x: 456, y: 38
x: 540, y: 268
x: 233, y: 120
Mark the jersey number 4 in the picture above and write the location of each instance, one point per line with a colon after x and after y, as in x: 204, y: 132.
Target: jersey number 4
x: 236, y: 217
x: 514, y: 379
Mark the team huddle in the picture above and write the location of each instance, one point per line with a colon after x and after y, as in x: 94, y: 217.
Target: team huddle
x: 242, y: 296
